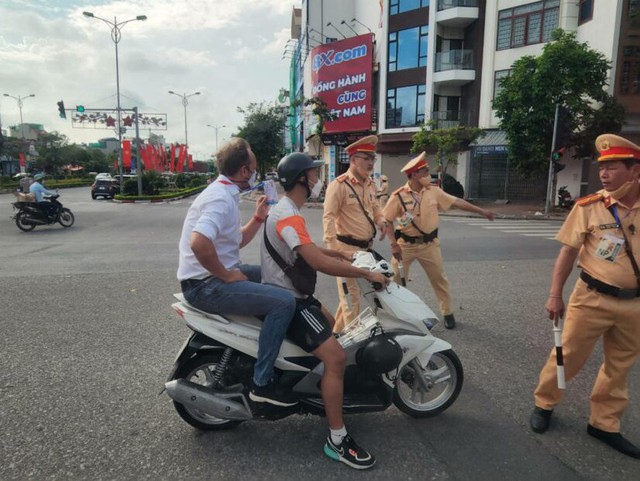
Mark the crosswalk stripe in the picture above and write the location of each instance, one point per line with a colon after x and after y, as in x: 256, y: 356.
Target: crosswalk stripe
x: 524, y: 227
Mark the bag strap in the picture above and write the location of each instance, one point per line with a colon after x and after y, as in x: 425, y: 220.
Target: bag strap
x: 627, y: 245
x: 412, y: 222
x: 273, y: 253
x: 375, y: 231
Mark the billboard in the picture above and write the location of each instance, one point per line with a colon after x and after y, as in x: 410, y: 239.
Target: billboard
x: 341, y: 76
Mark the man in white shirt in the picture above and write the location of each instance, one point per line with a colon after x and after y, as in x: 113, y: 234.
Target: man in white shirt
x: 211, y: 275
x: 38, y: 191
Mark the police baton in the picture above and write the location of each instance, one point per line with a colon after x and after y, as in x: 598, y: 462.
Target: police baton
x: 403, y: 280
x: 557, y: 337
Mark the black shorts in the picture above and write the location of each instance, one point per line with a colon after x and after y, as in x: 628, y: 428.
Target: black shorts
x: 309, y: 327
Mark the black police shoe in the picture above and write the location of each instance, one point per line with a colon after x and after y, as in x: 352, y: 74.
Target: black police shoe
x: 539, y: 420
x: 449, y: 321
x: 615, y: 440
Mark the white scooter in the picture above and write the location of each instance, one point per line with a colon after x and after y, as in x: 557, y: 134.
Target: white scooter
x: 392, y: 357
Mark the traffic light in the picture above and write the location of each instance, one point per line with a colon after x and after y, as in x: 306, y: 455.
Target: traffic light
x: 61, y: 111
x: 555, y: 157
x: 80, y: 108
x: 563, y: 128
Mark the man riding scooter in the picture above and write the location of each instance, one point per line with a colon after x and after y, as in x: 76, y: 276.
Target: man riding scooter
x: 38, y: 190
x: 287, y: 244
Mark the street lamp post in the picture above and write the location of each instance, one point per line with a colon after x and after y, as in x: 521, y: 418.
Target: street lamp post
x: 185, y: 102
x: 116, y: 35
x: 216, y: 127
x: 19, y: 99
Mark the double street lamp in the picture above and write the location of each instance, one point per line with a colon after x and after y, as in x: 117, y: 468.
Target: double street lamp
x: 19, y: 99
x: 216, y: 127
x: 116, y: 35
x: 185, y: 102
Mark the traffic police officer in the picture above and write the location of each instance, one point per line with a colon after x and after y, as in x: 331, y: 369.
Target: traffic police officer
x: 601, y: 232
x: 415, y: 208
x: 351, y: 217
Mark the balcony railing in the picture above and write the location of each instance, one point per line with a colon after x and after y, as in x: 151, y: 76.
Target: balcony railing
x: 454, y: 60
x: 445, y: 119
x: 447, y: 4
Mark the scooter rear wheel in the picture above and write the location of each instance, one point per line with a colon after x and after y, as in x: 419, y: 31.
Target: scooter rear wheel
x: 425, y: 389
x: 22, y: 225
x: 66, y: 218
x: 200, y: 370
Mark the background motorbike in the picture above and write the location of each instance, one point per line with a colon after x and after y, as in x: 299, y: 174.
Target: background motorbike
x: 30, y: 215
x: 210, y: 378
x: 564, y: 198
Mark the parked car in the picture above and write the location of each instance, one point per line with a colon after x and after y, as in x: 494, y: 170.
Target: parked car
x: 105, y: 188
x: 271, y: 176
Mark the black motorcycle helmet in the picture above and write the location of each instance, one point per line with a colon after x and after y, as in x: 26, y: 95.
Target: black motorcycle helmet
x: 293, y: 166
x: 380, y: 354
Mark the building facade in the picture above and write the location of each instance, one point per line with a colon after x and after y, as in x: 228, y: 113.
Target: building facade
x: 442, y: 60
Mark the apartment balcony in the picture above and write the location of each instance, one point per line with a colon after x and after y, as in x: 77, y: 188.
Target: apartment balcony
x: 446, y: 119
x: 457, y: 13
x: 454, y: 68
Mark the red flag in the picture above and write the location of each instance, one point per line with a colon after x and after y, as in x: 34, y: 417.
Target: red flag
x: 22, y: 163
x: 172, y: 164
x: 190, y: 157
x: 126, y: 153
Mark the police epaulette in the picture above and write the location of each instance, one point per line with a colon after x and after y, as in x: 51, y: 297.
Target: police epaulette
x: 589, y: 199
x: 342, y: 178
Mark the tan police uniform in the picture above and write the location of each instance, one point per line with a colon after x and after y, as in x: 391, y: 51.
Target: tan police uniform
x: 383, y: 191
x: 346, y: 227
x: 604, y: 302
x: 414, y: 212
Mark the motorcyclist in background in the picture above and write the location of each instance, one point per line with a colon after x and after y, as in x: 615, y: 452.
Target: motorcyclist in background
x: 38, y: 190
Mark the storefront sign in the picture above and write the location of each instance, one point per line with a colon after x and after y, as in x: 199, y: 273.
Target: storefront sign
x: 341, y: 76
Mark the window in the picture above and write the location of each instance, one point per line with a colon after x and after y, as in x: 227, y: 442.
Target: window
x: 401, y: 6
x: 405, y: 106
x: 497, y: 81
x: 634, y: 13
x: 630, y: 74
x: 408, y: 48
x: 527, y: 24
x: 585, y: 12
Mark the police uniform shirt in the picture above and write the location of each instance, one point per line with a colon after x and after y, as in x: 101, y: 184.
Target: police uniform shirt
x: 423, y: 206
x: 592, y: 228
x: 342, y: 212
x: 286, y: 229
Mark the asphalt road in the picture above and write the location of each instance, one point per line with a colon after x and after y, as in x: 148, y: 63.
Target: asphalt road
x: 88, y: 338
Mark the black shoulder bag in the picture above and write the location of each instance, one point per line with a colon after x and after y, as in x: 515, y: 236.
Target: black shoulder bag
x: 302, y: 275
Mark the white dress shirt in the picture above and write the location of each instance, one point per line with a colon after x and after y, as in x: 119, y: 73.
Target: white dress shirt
x: 216, y: 215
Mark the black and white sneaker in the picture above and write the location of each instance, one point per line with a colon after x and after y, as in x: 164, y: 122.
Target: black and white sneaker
x: 272, y: 393
x: 349, y: 453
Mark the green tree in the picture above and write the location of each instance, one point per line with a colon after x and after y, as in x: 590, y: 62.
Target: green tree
x: 446, y: 143
x: 567, y: 73
x: 264, y: 129
x: 98, y: 162
x: 50, y: 147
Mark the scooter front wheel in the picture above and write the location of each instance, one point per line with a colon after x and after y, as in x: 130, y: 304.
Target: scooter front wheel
x: 425, y: 389
x: 66, y: 218
x: 199, y: 370
x: 22, y: 224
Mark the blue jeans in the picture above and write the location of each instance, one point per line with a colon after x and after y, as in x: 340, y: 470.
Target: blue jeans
x: 250, y: 298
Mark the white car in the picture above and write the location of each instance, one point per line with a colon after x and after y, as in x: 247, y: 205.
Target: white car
x: 104, y: 176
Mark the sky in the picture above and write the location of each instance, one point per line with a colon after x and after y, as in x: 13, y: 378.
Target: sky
x: 228, y: 50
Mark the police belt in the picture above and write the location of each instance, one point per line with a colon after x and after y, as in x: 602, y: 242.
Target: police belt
x: 354, y: 242
x: 423, y: 239
x: 607, y: 289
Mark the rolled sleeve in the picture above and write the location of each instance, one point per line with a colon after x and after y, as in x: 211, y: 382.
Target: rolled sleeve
x: 211, y: 220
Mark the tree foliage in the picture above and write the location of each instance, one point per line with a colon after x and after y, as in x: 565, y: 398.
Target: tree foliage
x: 264, y: 129
x: 446, y: 143
x: 50, y: 147
x: 568, y: 73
